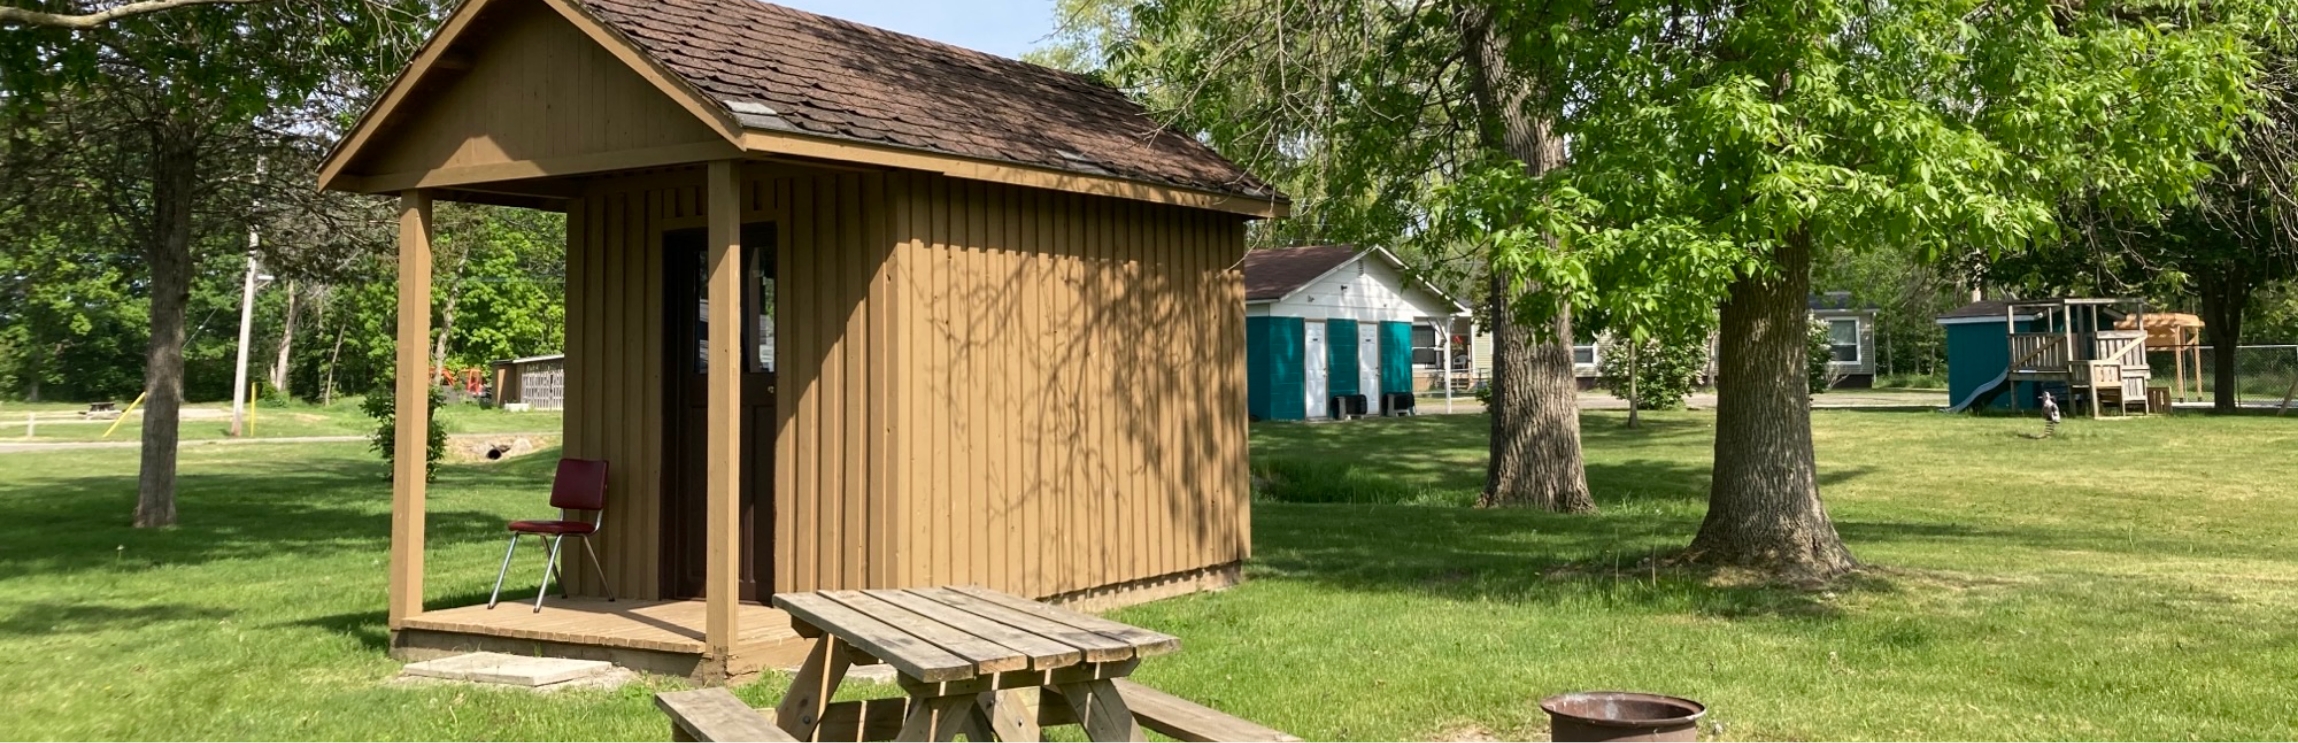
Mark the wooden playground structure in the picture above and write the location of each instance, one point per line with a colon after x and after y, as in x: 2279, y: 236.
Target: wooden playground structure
x: 2077, y: 343
x: 2180, y: 335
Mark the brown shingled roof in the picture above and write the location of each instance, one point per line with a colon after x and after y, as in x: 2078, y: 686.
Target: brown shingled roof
x: 1272, y: 274
x: 778, y: 68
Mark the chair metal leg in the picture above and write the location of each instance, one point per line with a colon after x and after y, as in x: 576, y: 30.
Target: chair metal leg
x: 594, y: 563
x: 498, y: 594
x: 545, y: 588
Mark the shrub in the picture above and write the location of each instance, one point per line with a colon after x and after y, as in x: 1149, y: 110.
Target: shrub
x: 1817, y: 351
x: 383, y: 406
x: 269, y: 396
x: 1666, y: 371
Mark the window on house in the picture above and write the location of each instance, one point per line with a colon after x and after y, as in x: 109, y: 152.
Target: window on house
x: 1424, y: 345
x: 1843, y: 339
x: 1583, y: 347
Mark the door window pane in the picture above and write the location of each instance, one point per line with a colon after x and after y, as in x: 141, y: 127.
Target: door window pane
x: 760, y: 243
x: 702, y: 314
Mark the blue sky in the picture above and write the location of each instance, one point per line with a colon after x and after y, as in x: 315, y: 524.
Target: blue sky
x: 1002, y: 27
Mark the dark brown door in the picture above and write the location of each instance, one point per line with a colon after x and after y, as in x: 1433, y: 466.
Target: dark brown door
x: 686, y: 411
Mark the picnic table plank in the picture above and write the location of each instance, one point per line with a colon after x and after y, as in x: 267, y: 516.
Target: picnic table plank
x: 1145, y: 642
x: 1043, y: 653
x: 1098, y: 648
x: 918, y: 658
x: 988, y: 657
x: 714, y: 714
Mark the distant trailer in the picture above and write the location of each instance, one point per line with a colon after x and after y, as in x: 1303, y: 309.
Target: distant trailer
x: 540, y: 382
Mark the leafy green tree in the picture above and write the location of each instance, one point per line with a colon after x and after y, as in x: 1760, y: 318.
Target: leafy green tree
x: 164, y: 119
x: 1779, y: 133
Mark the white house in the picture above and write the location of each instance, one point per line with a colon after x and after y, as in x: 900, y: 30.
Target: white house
x: 1333, y: 329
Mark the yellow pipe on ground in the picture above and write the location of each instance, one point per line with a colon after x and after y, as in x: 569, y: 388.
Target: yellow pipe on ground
x: 124, y: 415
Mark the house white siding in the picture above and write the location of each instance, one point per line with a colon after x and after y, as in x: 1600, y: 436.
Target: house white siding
x: 1361, y: 290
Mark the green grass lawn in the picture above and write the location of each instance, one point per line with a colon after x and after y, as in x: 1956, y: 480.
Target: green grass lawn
x: 2131, y: 579
x: 286, y: 421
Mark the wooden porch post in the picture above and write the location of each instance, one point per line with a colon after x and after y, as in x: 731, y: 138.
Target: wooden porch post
x: 408, y: 470
x: 722, y: 574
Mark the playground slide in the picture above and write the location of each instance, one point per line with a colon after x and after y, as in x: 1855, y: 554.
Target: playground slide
x: 1984, y: 394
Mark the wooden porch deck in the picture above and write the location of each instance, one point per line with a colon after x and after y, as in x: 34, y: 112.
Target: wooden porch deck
x: 653, y: 636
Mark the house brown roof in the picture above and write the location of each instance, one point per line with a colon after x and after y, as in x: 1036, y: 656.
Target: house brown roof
x: 777, y: 68
x: 1272, y: 274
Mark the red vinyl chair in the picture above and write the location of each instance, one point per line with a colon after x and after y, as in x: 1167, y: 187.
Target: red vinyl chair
x: 580, y: 485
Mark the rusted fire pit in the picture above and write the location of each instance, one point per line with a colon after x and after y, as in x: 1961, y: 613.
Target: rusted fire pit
x: 1622, y: 715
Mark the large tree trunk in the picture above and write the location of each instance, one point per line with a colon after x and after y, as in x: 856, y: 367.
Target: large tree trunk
x: 2225, y: 296
x: 167, y: 248
x: 1535, y: 458
x: 1764, y: 510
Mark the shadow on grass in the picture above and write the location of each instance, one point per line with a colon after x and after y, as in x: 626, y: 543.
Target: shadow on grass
x: 1516, y: 556
x: 52, y: 618
x: 372, y: 628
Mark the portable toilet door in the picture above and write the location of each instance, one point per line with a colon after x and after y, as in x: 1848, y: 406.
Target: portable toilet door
x: 1344, y: 375
x: 1315, y: 361
x: 1368, y: 362
x: 1395, y: 358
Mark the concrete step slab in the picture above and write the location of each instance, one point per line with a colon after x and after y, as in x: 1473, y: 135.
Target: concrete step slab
x: 509, y: 670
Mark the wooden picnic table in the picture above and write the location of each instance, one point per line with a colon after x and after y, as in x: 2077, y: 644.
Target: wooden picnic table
x: 974, y: 662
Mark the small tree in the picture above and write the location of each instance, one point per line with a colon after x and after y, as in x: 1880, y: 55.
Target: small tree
x: 1653, y: 374
x: 1818, y: 352
x: 383, y: 405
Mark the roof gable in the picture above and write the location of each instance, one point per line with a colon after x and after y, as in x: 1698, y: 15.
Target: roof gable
x: 534, y: 87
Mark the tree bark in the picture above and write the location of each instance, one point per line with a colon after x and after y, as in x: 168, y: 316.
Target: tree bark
x: 167, y: 248
x: 279, y: 367
x: 2225, y: 296
x: 1764, y: 510
x: 1535, y: 458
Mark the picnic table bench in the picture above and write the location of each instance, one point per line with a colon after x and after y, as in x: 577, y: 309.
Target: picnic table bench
x: 974, y: 662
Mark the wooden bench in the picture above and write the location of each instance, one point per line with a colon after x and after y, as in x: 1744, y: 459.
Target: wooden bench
x: 1176, y: 717
x: 716, y: 715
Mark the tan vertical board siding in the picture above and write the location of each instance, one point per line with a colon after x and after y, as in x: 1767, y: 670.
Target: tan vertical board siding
x: 1037, y: 391
x: 645, y: 520
x: 1032, y: 389
x: 858, y: 398
x: 788, y: 391
x: 616, y: 336
x: 805, y: 369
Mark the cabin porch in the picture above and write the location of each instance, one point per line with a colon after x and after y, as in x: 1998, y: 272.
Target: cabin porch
x: 665, y: 637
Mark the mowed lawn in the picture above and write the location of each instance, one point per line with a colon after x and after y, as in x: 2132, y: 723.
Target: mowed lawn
x: 2129, y: 579
x: 271, y: 421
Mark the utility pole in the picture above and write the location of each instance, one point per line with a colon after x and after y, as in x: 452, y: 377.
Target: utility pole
x: 246, y: 331
x: 246, y: 325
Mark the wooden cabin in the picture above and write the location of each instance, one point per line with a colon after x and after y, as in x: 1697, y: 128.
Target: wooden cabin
x: 846, y: 309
